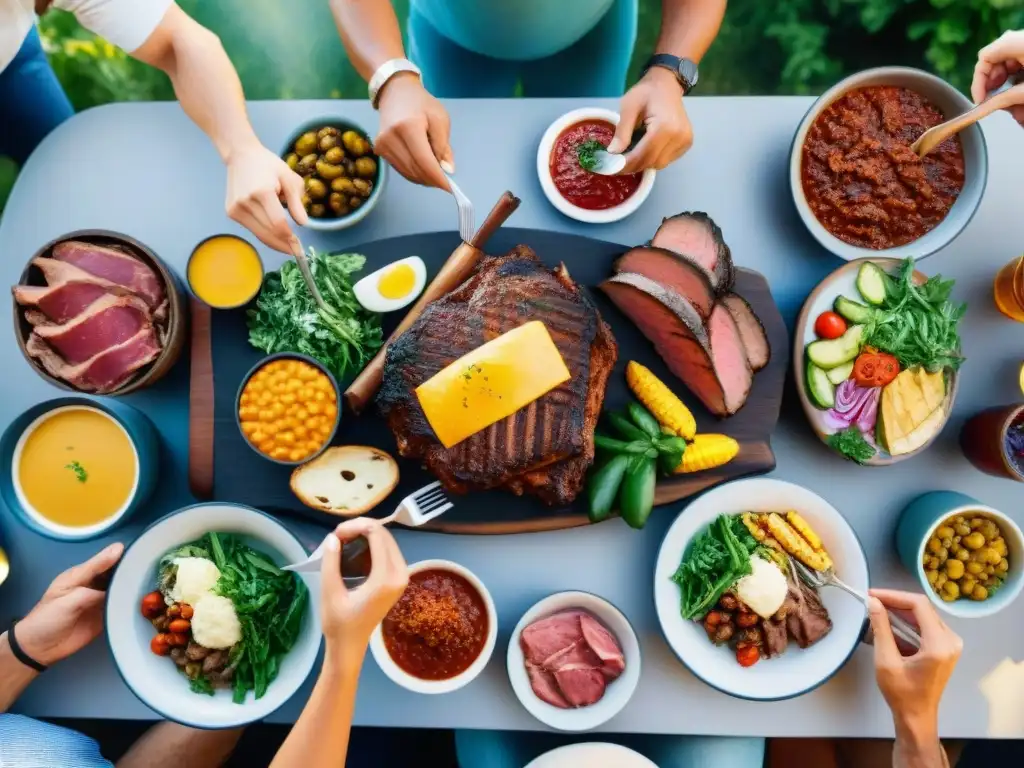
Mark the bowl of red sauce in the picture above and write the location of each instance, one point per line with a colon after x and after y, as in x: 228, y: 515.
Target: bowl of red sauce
x: 857, y: 185
x: 441, y: 633
x: 579, y: 193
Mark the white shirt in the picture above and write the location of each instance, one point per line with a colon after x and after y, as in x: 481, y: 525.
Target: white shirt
x: 125, y: 23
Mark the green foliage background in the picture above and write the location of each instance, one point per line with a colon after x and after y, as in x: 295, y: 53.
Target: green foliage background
x: 290, y: 50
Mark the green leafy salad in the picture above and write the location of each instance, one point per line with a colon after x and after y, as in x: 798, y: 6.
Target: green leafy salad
x: 287, y: 319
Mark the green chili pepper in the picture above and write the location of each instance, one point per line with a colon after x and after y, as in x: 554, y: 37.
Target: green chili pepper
x: 603, y: 487
x: 636, y: 496
x: 670, y: 444
x: 620, y: 446
x: 625, y: 427
x: 643, y: 419
x: 668, y: 461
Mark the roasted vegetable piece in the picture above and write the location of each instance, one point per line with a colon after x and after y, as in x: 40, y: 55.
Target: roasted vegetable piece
x: 291, y: 160
x: 366, y: 167
x: 338, y: 204
x: 804, y: 529
x: 355, y: 144
x: 305, y: 144
x: 318, y: 210
x: 603, y: 487
x: 343, y: 185
x: 334, y: 155
x: 306, y: 165
x: 795, y: 544
x: 661, y: 401
x: 707, y: 452
x: 636, y: 496
x: 327, y: 171
x: 316, y: 189
x: 363, y: 187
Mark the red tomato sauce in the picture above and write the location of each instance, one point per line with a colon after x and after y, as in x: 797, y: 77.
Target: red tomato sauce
x: 583, y: 188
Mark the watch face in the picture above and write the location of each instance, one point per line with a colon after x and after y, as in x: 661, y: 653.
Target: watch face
x: 688, y: 71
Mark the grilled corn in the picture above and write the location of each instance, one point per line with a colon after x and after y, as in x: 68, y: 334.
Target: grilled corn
x: 796, y: 545
x: 663, y: 404
x: 708, y: 452
x: 804, y: 529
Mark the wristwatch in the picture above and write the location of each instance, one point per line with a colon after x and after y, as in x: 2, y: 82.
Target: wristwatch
x: 385, y: 72
x: 685, y: 70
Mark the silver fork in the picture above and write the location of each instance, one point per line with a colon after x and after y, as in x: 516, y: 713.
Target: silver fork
x: 417, y: 508
x: 466, y: 218
x: 818, y: 579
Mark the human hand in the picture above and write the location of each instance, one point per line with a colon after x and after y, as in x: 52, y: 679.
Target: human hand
x: 912, y: 685
x: 414, y: 131
x: 69, y: 615
x: 258, y: 180
x: 657, y: 101
x: 998, y: 61
x: 349, y: 617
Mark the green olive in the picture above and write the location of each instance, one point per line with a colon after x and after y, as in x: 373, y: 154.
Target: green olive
x: 366, y: 167
x: 305, y: 144
x: 317, y: 210
x: 974, y: 541
x: 979, y: 593
x: 327, y: 143
x: 954, y: 569
x: 337, y: 203
x: 328, y: 172
x: 292, y: 160
x: 363, y: 187
x: 344, y: 185
x: 307, y: 165
x: 334, y: 155
x: 355, y: 144
x: 315, y: 188
x: 328, y: 130
x: 975, y: 568
x: 931, y: 574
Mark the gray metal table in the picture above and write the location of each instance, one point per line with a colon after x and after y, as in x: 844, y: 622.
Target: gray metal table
x: 737, y: 172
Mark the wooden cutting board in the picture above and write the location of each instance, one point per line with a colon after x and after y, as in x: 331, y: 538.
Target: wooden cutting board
x: 240, y: 475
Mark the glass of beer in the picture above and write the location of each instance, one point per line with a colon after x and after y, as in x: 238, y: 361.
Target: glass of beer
x: 1008, y: 290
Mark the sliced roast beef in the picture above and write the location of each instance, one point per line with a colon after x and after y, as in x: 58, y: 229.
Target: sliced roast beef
x: 113, y: 265
x: 776, y: 636
x: 107, y: 322
x: 678, y: 273
x: 752, y: 333
x: 807, y: 619
x: 103, y: 372
x: 580, y: 685
x: 542, y: 639
x: 674, y: 327
x: 604, y: 645
x: 59, y: 303
x: 696, y: 236
x: 729, y: 358
x: 545, y: 686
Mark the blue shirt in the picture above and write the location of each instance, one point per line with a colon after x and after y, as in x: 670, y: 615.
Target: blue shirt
x: 28, y: 743
x: 517, y: 30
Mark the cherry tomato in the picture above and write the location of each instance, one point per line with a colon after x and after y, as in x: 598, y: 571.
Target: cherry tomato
x: 748, y: 655
x: 160, y: 644
x: 185, y: 610
x: 153, y: 605
x: 177, y: 638
x: 174, y: 610
x: 875, y: 369
x: 829, y: 325
x: 179, y: 626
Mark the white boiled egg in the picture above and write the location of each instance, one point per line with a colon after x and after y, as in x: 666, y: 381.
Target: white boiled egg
x: 393, y: 286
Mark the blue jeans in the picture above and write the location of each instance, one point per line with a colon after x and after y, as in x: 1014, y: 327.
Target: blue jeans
x: 506, y: 749
x: 31, y: 99
x: 595, y: 66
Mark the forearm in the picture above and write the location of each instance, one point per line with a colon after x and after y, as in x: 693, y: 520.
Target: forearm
x: 688, y: 27
x: 369, y: 29
x: 918, y: 746
x: 320, y: 737
x: 14, y: 676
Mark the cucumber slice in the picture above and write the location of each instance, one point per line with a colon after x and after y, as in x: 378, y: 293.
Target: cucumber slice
x: 840, y: 373
x: 820, y: 389
x: 853, y: 311
x: 871, y: 283
x: 832, y: 353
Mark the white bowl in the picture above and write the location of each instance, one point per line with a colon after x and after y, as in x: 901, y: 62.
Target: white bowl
x: 618, y: 692
x: 796, y: 671
x: 547, y: 143
x: 594, y: 754
x: 157, y: 681
x: 951, y: 103
x: 416, y: 684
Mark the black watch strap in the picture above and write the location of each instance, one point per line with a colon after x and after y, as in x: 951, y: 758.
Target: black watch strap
x: 19, y: 652
x: 685, y: 70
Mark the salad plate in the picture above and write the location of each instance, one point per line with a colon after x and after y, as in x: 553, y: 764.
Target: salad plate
x: 875, y: 357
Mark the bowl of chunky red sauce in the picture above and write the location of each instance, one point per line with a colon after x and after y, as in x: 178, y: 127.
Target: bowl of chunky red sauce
x: 441, y: 632
x: 858, y: 185
x: 570, y: 187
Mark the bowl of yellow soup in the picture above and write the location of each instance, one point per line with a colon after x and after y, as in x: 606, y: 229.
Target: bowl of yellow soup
x: 225, y: 272
x: 73, y: 468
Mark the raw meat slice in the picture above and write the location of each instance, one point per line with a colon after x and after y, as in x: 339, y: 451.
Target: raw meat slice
x: 113, y: 265
x: 545, y: 638
x: 581, y: 686
x: 696, y: 236
x: 544, y: 685
x: 752, y: 333
x: 107, y: 322
x: 604, y: 646
x: 729, y: 359
x: 58, y: 303
x: 577, y: 655
x: 678, y: 273
x: 104, y: 372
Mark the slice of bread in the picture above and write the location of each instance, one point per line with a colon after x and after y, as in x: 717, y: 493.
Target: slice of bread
x: 346, y: 480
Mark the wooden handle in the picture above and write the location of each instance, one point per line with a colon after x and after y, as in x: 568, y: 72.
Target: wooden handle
x: 200, y: 408
x: 456, y: 269
x: 931, y: 138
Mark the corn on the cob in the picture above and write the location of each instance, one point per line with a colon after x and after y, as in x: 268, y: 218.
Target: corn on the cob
x: 750, y: 521
x: 804, y: 529
x: 708, y: 452
x: 796, y: 545
x: 660, y: 401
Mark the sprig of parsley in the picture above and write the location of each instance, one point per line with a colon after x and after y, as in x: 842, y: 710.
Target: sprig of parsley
x: 851, y: 443
x: 586, y: 153
x: 79, y: 471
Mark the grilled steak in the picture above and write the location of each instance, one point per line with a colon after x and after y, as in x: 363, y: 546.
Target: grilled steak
x: 695, y: 236
x: 527, y: 449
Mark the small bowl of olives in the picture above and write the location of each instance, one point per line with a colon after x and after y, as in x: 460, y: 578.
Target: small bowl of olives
x: 967, y: 556
x: 343, y: 177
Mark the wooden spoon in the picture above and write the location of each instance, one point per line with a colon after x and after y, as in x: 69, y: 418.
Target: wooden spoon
x: 931, y: 138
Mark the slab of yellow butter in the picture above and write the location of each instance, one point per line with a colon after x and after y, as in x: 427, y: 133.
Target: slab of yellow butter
x: 492, y: 382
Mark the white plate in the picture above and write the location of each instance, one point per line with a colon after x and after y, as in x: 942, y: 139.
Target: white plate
x: 595, y: 754
x: 797, y: 671
x: 156, y: 680
x: 618, y: 692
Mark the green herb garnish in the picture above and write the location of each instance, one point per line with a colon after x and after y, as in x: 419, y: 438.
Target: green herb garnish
x: 851, y: 443
x: 287, y: 319
x: 201, y: 685
x: 917, y: 323
x: 714, y: 562
x: 586, y: 153
x: 79, y: 471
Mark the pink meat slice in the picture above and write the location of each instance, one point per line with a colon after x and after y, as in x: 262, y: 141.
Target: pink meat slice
x: 548, y: 636
x: 729, y: 358
x: 581, y: 686
x: 673, y: 271
x: 579, y: 654
x: 113, y: 265
x: 59, y: 303
x: 752, y: 333
x: 103, y: 372
x: 544, y: 685
x: 696, y: 236
x: 603, y: 645
x: 107, y: 322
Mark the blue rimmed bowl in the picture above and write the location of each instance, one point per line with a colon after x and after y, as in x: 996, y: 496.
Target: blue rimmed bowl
x: 918, y: 522
x: 141, y: 434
